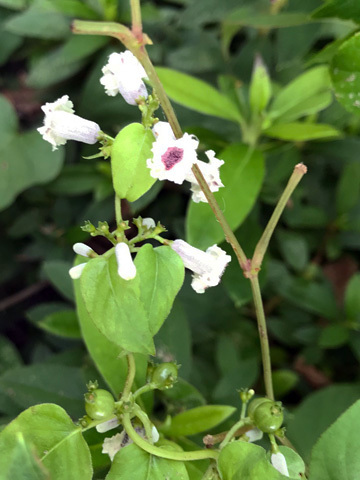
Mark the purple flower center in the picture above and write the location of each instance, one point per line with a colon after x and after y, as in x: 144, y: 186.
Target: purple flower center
x: 172, y: 156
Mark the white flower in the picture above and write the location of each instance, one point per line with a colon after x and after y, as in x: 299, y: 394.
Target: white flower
x: 61, y: 124
x: 208, y: 266
x: 75, y: 272
x: 112, y: 445
x: 148, y: 222
x: 155, y: 434
x: 254, y: 435
x: 123, y: 74
x: 211, y: 174
x: 163, y: 130
x: 82, y: 249
x: 278, y: 461
x: 108, y: 425
x: 173, y: 158
x: 126, y: 266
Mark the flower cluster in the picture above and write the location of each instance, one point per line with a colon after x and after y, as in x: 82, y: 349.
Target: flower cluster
x: 208, y: 266
x: 173, y: 160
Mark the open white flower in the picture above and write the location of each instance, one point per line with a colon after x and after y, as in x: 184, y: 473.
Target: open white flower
x: 124, y: 74
x: 278, y: 461
x: 126, y: 266
x: 173, y: 158
x: 208, y: 266
x: 211, y: 174
x: 61, y: 124
x: 84, y: 251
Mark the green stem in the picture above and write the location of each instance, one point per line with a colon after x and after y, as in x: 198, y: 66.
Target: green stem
x: 229, y: 234
x: 232, y: 432
x: 144, y: 419
x: 162, y: 452
x: 118, y: 210
x: 144, y: 389
x: 260, y: 250
x: 130, y: 376
x: 264, y: 340
x: 136, y: 19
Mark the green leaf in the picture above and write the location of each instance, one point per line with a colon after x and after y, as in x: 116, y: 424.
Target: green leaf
x: 64, y: 61
x: 242, y: 174
x: 8, y: 123
x: 284, y: 381
x: 197, y: 95
x: 55, y: 440
x: 335, y: 455
x: 246, y: 461
x: 294, y: 249
x: 40, y: 21
x: 260, y: 87
x: 352, y: 298
x: 348, y: 188
x: 297, y: 131
x: 247, y: 16
x: 107, y: 356
x: 9, y: 355
x: 346, y: 9
x: 57, y: 271
x: 305, y: 88
x: 345, y: 74
x: 198, y: 420
x: 174, y: 339
x: 23, y: 464
x: 132, y: 463
x: 333, y: 336
x: 38, y: 383
x: 130, y: 312
x: 63, y: 323
x: 26, y: 161
x: 131, y: 149
x: 316, y: 413
x: 14, y: 4
x: 75, y: 180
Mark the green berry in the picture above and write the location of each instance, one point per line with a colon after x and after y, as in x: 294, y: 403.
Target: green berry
x: 254, y: 404
x: 99, y: 404
x: 269, y: 416
x: 165, y: 375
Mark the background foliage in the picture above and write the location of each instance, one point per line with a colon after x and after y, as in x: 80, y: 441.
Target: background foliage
x: 310, y: 281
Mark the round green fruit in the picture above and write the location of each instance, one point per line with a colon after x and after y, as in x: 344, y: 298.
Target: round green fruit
x: 254, y: 404
x: 269, y: 416
x: 165, y: 375
x: 99, y: 404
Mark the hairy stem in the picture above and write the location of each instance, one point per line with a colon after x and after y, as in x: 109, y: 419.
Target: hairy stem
x: 260, y: 250
x: 264, y: 340
x: 130, y: 376
x: 162, y: 452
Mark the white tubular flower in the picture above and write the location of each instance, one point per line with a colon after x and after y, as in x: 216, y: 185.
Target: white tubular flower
x: 211, y: 174
x: 173, y: 158
x: 278, y: 461
x: 82, y: 249
x: 126, y: 266
x: 108, y: 425
x: 123, y: 74
x: 75, y: 272
x: 61, y: 124
x: 148, y: 222
x: 254, y: 435
x: 163, y: 130
x: 208, y: 266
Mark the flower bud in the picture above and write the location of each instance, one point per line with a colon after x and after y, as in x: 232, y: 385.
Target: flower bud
x: 126, y: 266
